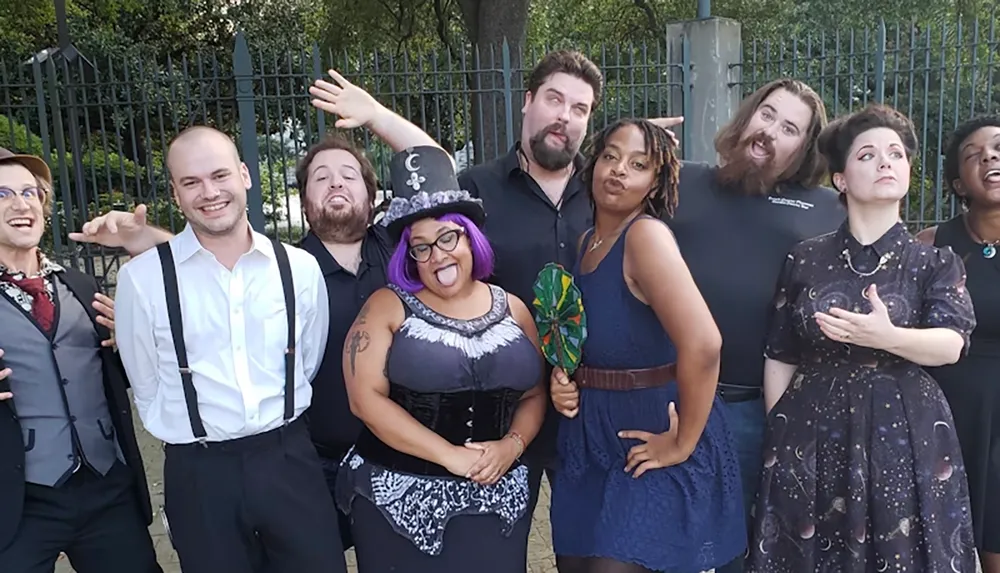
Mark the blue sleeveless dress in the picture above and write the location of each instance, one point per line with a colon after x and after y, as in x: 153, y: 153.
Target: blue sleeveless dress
x: 685, y: 518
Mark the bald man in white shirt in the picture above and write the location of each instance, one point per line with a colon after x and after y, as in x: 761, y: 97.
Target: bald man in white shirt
x: 203, y: 330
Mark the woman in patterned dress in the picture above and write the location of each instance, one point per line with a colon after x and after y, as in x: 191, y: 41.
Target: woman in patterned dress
x: 862, y: 467
x: 972, y: 172
x: 445, y: 372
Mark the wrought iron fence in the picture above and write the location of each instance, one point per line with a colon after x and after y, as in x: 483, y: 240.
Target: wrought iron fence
x: 938, y: 74
x: 104, y: 125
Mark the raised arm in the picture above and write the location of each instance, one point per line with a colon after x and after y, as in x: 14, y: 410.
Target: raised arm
x: 365, y: 352
x: 655, y: 268
x: 357, y: 108
x: 665, y: 123
x: 122, y: 229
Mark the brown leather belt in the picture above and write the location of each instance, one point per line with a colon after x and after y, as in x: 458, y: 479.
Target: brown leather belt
x: 598, y: 379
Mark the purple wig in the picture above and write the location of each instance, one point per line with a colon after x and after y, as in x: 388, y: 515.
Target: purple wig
x: 403, y: 269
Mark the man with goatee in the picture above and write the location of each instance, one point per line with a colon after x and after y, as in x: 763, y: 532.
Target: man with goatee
x: 537, y: 204
x: 338, y: 187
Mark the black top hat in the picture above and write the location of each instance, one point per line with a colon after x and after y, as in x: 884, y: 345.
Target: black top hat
x: 424, y: 186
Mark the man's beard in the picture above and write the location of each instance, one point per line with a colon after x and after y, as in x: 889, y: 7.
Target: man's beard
x: 739, y: 171
x: 549, y: 158
x: 338, y: 226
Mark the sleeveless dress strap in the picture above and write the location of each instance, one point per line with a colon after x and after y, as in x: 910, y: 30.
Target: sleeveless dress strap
x: 618, y: 248
x: 632, y: 222
x: 950, y: 233
x: 581, y: 249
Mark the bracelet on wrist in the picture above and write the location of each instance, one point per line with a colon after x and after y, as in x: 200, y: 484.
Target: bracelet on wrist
x: 517, y: 440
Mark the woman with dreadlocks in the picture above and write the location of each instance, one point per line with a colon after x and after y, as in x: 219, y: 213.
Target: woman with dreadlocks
x: 648, y: 479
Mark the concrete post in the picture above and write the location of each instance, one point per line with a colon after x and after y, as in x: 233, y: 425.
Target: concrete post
x: 715, y: 48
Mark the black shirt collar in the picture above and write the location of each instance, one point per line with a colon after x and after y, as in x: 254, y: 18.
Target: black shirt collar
x: 376, y: 237
x: 511, y: 168
x: 512, y: 163
x: 890, y: 241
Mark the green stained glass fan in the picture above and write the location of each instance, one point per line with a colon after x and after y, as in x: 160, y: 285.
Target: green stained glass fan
x: 559, y: 315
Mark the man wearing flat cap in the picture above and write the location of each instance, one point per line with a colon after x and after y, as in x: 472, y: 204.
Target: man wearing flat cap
x: 71, y: 476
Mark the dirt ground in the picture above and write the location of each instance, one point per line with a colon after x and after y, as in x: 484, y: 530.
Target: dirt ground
x: 540, y: 558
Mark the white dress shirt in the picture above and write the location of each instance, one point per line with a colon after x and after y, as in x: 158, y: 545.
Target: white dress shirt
x: 235, y: 332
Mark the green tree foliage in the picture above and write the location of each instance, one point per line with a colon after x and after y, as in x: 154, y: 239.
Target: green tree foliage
x: 163, y: 65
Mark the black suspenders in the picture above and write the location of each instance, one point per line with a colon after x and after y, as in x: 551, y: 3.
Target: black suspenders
x: 177, y: 331
x: 285, y: 270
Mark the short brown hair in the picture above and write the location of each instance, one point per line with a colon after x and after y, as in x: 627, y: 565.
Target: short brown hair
x: 335, y: 141
x: 568, y: 62
x: 837, y: 138
x: 807, y: 168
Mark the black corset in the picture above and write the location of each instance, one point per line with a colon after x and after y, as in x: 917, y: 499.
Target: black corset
x: 458, y: 417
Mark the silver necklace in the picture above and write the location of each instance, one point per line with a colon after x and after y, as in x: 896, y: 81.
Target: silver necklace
x: 881, y: 263
x: 599, y: 241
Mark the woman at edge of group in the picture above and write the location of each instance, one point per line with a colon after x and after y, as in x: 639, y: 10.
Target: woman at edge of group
x: 972, y: 386
x: 445, y: 372
x: 648, y: 480
x: 862, y: 467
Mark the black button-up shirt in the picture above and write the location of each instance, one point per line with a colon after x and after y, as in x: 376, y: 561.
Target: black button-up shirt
x: 735, y: 246
x: 332, y: 425
x: 525, y: 229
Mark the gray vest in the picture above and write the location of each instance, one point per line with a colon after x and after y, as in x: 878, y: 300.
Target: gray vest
x: 58, y: 388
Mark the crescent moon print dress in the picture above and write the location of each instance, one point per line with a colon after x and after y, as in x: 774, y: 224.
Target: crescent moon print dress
x: 862, y: 467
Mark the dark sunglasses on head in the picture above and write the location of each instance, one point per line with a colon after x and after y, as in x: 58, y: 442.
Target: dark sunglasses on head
x: 447, y: 242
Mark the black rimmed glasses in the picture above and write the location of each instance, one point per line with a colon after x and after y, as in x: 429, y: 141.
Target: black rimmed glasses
x: 29, y: 194
x: 447, y: 242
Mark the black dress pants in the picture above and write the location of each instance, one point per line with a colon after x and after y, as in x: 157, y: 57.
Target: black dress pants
x: 257, y: 504
x: 330, y: 461
x: 94, y: 519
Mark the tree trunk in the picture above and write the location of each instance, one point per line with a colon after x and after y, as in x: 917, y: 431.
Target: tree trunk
x: 489, y: 23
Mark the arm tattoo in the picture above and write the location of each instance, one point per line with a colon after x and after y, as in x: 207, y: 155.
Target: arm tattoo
x: 358, y: 344
x: 362, y: 315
